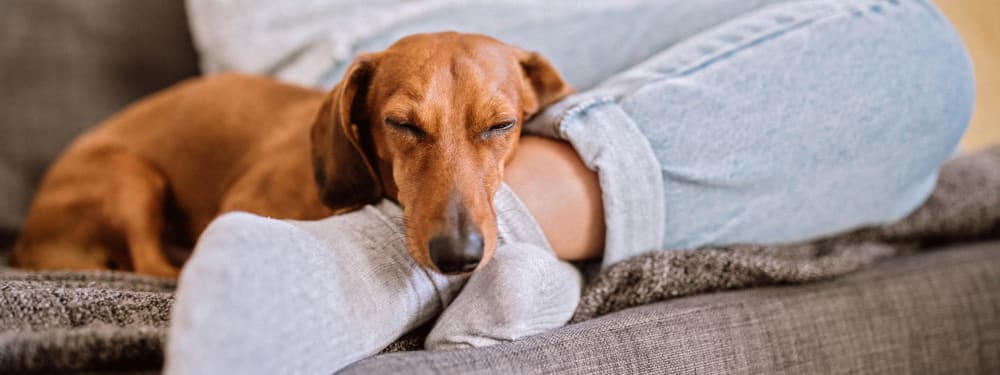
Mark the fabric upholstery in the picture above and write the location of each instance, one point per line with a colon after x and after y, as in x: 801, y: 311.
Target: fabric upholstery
x: 66, y: 66
x: 932, y: 313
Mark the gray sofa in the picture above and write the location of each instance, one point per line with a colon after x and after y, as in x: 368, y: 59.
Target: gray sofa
x: 67, y: 64
x: 933, y: 313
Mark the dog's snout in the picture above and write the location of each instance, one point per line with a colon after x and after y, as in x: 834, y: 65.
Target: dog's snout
x: 456, y: 254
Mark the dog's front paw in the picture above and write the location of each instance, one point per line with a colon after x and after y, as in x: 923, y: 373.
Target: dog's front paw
x: 159, y: 270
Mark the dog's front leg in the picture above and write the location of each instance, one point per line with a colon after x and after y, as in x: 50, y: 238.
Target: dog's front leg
x: 137, y: 210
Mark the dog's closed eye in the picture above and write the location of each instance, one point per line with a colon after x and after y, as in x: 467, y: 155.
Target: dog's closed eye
x: 498, y: 129
x: 406, y: 127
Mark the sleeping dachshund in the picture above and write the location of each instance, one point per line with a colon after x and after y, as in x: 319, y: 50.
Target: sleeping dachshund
x: 428, y: 123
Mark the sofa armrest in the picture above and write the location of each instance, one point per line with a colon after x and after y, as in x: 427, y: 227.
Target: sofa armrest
x: 65, y: 66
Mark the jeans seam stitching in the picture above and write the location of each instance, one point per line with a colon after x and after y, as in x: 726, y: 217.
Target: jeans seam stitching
x: 732, y: 49
x: 576, y: 110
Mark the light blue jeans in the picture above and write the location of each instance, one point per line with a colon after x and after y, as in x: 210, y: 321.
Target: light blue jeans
x: 771, y: 121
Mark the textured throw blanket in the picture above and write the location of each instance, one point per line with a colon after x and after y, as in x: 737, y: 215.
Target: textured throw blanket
x: 55, y: 321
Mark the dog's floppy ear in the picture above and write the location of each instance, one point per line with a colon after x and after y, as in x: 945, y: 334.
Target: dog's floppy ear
x: 343, y: 162
x: 543, y: 80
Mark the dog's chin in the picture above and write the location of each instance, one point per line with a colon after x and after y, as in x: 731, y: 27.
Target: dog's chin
x: 456, y: 273
x: 422, y: 259
x: 431, y: 267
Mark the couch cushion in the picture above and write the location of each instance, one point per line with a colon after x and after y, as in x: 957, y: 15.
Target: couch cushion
x: 64, y: 66
x: 932, y: 313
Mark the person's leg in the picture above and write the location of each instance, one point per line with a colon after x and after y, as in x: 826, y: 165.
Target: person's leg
x: 268, y: 296
x: 798, y: 120
x: 264, y: 296
x: 524, y: 290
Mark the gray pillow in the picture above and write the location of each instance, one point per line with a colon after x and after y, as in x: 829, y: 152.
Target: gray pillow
x: 65, y: 65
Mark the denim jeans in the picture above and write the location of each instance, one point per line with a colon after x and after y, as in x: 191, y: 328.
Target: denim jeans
x: 770, y: 121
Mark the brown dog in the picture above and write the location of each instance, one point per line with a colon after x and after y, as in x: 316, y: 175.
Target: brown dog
x: 429, y: 123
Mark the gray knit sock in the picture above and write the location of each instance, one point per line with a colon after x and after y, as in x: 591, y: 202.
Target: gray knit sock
x: 263, y: 296
x: 525, y: 290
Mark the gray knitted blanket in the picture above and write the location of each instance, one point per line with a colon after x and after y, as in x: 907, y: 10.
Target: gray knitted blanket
x: 57, y: 321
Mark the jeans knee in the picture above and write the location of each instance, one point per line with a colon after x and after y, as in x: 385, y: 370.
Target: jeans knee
x: 935, y: 47
x: 909, y: 46
x: 947, y: 65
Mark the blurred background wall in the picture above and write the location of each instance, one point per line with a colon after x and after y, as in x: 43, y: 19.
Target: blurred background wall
x: 979, y: 23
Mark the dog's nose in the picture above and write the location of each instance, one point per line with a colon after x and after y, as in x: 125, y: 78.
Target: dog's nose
x: 456, y: 254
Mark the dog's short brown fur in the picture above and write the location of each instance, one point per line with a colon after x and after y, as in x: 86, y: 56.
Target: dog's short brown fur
x: 428, y: 123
